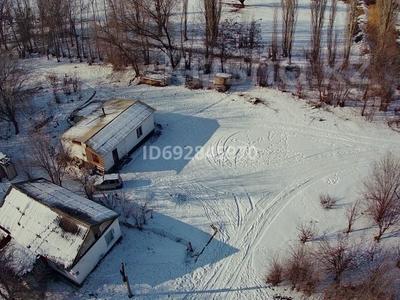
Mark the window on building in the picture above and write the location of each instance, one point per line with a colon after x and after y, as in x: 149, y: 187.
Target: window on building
x: 109, y: 237
x: 139, y: 132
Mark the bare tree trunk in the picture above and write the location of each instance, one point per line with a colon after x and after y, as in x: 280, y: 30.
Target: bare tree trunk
x: 289, y: 20
x: 331, y: 35
x: 212, y: 16
x: 350, y: 29
x: 185, y: 19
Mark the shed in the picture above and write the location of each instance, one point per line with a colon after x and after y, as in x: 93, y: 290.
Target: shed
x: 70, y: 232
x: 103, y: 137
x: 222, y: 82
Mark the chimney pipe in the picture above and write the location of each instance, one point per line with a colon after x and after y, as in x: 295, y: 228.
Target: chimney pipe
x: 104, y: 112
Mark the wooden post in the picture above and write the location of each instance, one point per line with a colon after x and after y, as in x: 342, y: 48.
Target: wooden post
x: 125, y: 279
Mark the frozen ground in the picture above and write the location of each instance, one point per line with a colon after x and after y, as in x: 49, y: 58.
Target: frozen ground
x: 259, y: 174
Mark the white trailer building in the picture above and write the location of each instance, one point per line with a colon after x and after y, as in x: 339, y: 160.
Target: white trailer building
x: 102, y: 138
x: 70, y: 232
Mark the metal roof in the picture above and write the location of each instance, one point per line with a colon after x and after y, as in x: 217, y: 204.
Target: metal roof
x: 33, y: 213
x: 104, y: 132
x: 54, y: 196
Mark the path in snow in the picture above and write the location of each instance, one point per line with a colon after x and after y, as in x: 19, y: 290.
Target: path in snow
x: 244, y: 197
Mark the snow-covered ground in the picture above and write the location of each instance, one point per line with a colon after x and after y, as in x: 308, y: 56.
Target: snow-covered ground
x: 258, y: 174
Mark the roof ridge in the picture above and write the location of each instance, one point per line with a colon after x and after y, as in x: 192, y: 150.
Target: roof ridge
x: 107, y: 124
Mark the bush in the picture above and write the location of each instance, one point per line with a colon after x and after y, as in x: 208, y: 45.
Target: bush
x: 327, y: 201
x: 131, y: 213
x: 307, y: 232
x: 299, y: 270
x: 375, y: 285
x: 275, y: 272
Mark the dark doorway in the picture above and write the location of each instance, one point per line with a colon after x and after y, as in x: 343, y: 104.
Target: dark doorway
x: 115, y: 157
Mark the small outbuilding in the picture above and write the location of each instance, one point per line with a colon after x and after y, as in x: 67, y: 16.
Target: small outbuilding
x: 105, y: 136
x: 71, y: 233
x: 222, y: 82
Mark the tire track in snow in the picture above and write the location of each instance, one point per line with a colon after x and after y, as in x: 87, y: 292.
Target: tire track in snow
x: 263, y: 222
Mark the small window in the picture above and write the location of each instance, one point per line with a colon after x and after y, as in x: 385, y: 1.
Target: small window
x: 139, y: 132
x: 109, y: 237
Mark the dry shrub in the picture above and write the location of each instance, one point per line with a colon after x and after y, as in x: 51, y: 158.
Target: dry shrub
x: 327, y: 201
x: 336, y: 257
x: 306, y: 232
x: 299, y: 270
x: 375, y: 285
x: 131, y: 213
x: 275, y: 272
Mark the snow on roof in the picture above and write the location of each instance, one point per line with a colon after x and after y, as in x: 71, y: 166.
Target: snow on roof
x: 109, y: 137
x: 103, y: 132
x: 223, y: 75
x: 33, y: 214
x: 57, y: 197
x: 101, y: 179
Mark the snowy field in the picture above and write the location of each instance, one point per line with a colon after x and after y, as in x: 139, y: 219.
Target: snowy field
x: 258, y: 174
x: 254, y: 172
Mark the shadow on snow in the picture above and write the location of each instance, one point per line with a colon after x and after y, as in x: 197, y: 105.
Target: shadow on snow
x: 181, y: 138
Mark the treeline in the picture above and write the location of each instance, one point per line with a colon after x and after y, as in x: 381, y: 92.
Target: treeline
x: 137, y: 33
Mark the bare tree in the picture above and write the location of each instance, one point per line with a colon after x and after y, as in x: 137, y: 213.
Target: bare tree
x: 226, y: 42
x: 332, y: 35
x: 123, y: 49
x: 185, y: 19
x: 352, y: 214
x: 336, y: 257
x: 131, y: 213
x: 318, y: 8
x: 84, y: 176
x: 15, y: 284
x: 250, y: 41
x: 350, y: 30
x: 385, y: 53
x: 13, y: 93
x: 141, y: 22
x: 289, y: 20
x: 381, y: 194
x: 24, y: 24
x: 54, y: 160
x: 274, y: 51
x: 212, y: 15
x: 5, y: 16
